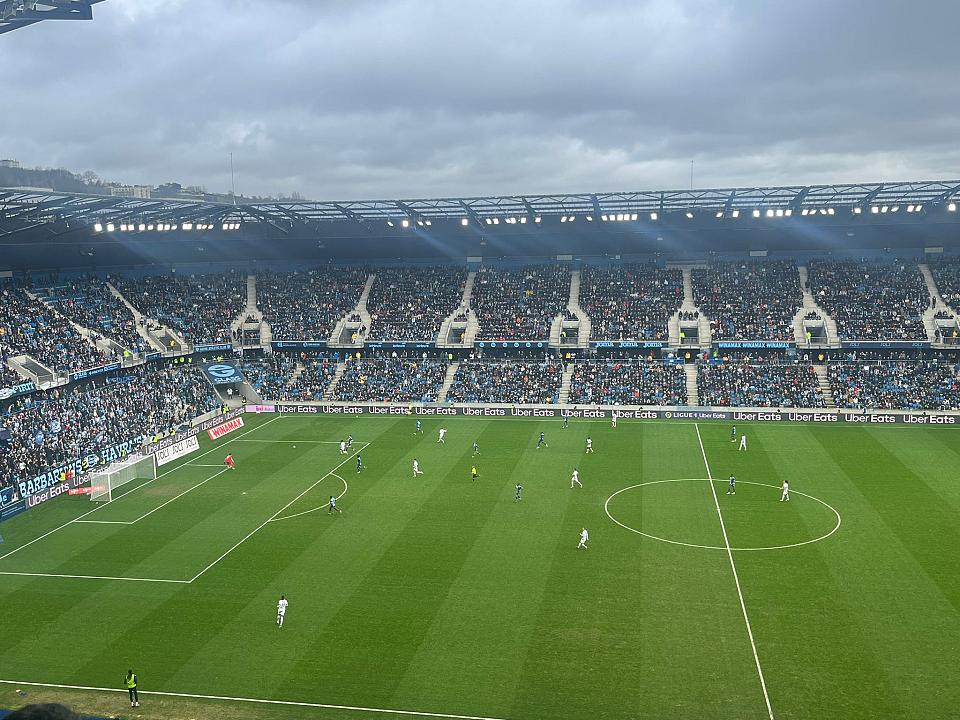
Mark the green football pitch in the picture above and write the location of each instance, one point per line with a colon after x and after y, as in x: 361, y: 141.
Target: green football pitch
x: 439, y: 596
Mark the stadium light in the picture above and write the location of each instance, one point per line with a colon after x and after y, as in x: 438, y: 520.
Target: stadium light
x: 788, y: 212
x: 464, y: 222
x: 98, y: 227
x: 895, y: 208
x: 918, y: 208
x: 537, y: 219
x: 952, y: 207
x: 735, y: 213
x: 719, y: 213
x: 603, y: 218
x: 653, y: 216
x: 769, y: 212
x: 563, y: 218
x: 123, y: 227
x: 405, y: 223
x: 390, y: 223
x: 523, y: 219
x: 496, y: 221
x: 141, y: 227
x: 589, y: 218
x: 804, y: 212
x: 689, y: 215
x: 109, y: 227
x: 874, y: 210
x: 188, y: 226
x: 885, y: 208
x: 633, y: 216
x: 909, y: 208
x: 779, y: 212
x: 429, y: 223
x: 756, y: 213
x: 857, y: 210
x: 830, y: 211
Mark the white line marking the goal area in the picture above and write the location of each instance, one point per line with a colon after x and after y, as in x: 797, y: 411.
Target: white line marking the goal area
x: 258, y: 701
x: 736, y: 577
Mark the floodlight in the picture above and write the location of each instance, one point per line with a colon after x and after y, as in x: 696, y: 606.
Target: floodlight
x: 874, y: 210
x: 563, y: 218
x: 804, y: 212
x: 788, y: 212
x: 779, y: 212
x: 918, y: 208
x: 909, y: 208
x: 589, y: 218
x: 405, y: 223
x: 98, y: 227
x: 523, y: 220
x: 689, y: 215
x: 109, y: 227
x: 719, y: 213
x: 769, y: 212
x: 735, y: 213
x: 895, y: 208
x: 428, y: 223
x: 633, y: 216
x: 464, y: 222
x: 653, y: 216
x: 536, y: 219
x: 390, y: 223
x: 756, y: 213
x: 857, y: 210
x: 603, y: 218
x: 952, y: 207
x: 141, y: 227
x: 496, y: 221
x: 885, y: 208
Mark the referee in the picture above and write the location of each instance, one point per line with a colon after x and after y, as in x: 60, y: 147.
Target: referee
x: 130, y: 681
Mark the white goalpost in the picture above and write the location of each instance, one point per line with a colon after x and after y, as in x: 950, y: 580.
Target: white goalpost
x: 103, y: 482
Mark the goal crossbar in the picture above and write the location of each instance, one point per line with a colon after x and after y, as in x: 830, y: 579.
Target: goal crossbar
x: 105, y: 481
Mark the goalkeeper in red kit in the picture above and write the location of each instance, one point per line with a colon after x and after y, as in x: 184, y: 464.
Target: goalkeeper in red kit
x: 228, y: 461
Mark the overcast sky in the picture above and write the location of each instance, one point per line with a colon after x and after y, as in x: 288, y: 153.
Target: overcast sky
x: 360, y: 99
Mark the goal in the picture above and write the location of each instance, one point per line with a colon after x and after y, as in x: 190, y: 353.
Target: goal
x: 104, y: 482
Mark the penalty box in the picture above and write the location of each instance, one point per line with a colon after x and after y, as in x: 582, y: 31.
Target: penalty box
x: 182, y: 524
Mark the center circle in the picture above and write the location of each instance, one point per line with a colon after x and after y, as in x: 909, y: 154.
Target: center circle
x: 825, y: 508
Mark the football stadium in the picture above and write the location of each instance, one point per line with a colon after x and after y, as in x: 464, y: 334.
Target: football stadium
x: 680, y: 453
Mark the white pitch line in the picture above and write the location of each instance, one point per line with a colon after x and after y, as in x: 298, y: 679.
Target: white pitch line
x: 93, y: 577
x: 106, y: 522
x: 319, y: 507
x: 199, y: 465
x: 305, y: 442
x: 90, y: 512
x: 258, y: 701
x: 269, y: 519
x: 736, y: 577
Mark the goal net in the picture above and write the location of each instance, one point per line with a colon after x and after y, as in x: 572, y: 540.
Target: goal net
x: 105, y: 481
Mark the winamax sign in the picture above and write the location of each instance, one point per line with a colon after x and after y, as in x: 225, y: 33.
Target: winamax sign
x: 696, y: 415
x: 228, y: 427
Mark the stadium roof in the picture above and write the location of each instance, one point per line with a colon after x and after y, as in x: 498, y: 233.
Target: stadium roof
x: 23, y: 209
x: 16, y: 14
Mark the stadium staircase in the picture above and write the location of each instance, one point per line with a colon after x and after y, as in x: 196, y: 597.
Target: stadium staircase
x: 565, y: 383
x: 331, y: 391
x: 823, y: 380
x: 585, y: 328
x: 345, y: 325
x: 447, y: 326
x: 111, y: 350
x: 139, y: 319
x: 693, y: 395
x: 447, y: 381
x: 689, y: 306
x: 930, y: 322
x: 810, y: 305
x: 146, y: 331
x: 250, y: 318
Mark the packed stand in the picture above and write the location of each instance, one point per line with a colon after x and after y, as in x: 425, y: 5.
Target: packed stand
x: 890, y: 385
x: 628, y: 382
x: 946, y: 275
x: 268, y: 376
x: 391, y: 380
x: 869, y: 300
x: 201, y: 308
x: 88, y: 302
x: 519, y: 304
x: 28, y: 327
x: 411, y: 303
x: 277, y: 377
x: 8, y: 378
x: 51, y: 428
x: 308, y: 305
x: 759, y: 383
x: 633, y: 301
x: 749, y: 300
x: 514, y: 382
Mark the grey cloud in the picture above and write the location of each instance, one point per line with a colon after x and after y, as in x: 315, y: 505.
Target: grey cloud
x: 415, y: 98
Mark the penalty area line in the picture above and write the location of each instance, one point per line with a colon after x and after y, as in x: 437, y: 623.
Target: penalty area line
x: 736, y: 577
x: 257, y: 701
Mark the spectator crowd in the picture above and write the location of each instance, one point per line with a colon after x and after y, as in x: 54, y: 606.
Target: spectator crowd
x: 871, y: 300
x: 308, y: 305
x: 88, y: 302
x: 29, y: 327
x: 50, y: 428
x: 757, y: 382
x: 505, y: 381
x: 201, y: 308
x: 632, y: 301
x: 888, y: 385
x: 290, y: 378
x: 519, y: 304
x: 391, y: 379
x: 410, y: 303
x: 749, y: 300
x: 628, y: 382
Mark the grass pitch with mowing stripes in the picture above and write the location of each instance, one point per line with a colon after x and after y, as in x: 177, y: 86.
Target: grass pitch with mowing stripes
x: 444, y: 597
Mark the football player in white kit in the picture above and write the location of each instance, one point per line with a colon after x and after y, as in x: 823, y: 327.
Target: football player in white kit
x: 785, y: 493
x: 743, y: 443
x: 416, y: 468
x: 589, y: 444
x: 281, y: 610
x: 584, y: 536
x: 575, y: 479
x: 343, y: 447
x: 443, y: 432
x: 613, y: 420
